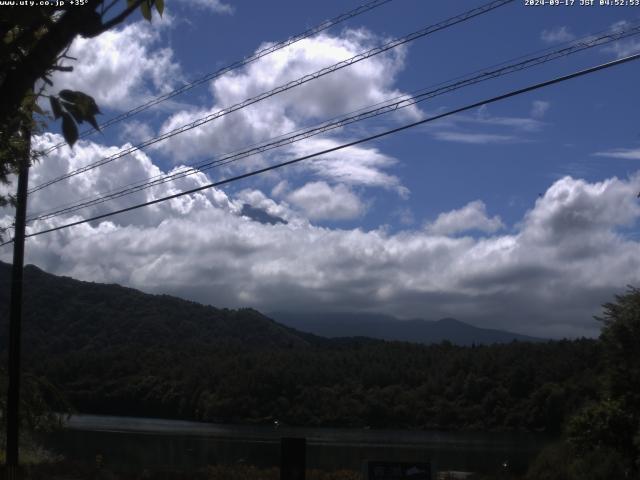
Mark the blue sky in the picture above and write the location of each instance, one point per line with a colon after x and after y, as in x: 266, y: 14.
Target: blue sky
x: 519, y: 215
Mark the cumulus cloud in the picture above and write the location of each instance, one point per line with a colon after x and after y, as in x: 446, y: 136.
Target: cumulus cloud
x: 364, y: 83
x: 557, y: 35
x: 136, y: 131
x: 131, y: 169
x: 546, y: 276
x: 320, y: 201
x: 472, y: 216
x: 121, y: 67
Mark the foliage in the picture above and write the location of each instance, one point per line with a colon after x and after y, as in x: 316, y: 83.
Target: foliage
x: 42, y: 409
x: 34, y: 41
x: 39, y: 399
x: 615, y: 421
x: 603, y: 438
x: 620, y: 339
x: 559, y: 461
x: 602, y: 425
x: 551, y: 463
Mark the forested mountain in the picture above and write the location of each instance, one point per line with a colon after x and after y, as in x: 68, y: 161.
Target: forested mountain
x: 63, y: 315
x: 120, y: 351
x: 386, y: 327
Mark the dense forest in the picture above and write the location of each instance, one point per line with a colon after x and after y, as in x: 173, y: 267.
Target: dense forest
x: 116, y: 350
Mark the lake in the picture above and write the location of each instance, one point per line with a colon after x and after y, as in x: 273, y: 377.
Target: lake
x: 138, y: 443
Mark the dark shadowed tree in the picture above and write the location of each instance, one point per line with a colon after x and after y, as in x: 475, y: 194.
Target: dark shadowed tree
x: 621, y: 338
x: 611, y: 427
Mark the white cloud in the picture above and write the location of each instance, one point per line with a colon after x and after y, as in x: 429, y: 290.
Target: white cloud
x: 320, y: 201
x: 474, y: 138
x: 133, y: 168
x: 539, y: 108
x: 574, y: 208
x: 625, y: 47
x: 626, y: 153
x: 364, y: 83
x: 457, y: 129
x: 472, y: 216
x: 215, y: 6
x: 354, y: 165
x: 547, y: 277
x: 136, y: 131
x: 405, y: 216
x: 557, y: 35
x: 524, y: 124
x: 121, y: 67
x: 259, y: 200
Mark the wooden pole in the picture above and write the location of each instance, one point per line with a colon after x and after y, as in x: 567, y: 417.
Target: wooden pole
x: 293, y: 453
x: 15, y: 314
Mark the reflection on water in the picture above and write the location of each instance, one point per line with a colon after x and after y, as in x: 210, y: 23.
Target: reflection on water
x: 136, y: 443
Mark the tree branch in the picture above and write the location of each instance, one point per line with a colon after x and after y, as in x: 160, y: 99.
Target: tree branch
x: 114, y: 21
x: 43, y: 55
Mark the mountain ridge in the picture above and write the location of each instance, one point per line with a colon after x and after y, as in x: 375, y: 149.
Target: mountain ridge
x: 165, y: 316
x: 74, y: 309
x: 387, y: 327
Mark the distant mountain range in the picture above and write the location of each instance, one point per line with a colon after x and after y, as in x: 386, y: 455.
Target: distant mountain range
x: 386, y: 327
x: 61, y: 309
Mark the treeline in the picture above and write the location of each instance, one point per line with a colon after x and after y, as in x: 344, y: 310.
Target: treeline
x: 379, y: 384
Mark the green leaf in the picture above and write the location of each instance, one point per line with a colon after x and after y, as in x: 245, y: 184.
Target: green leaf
x: 92, y: 120
x: 68, y: 95
x: 160, y: 6
x: 91, y: 105
x: 145, y: 8
x: 84, y: 101
x: 55, y: 107
x: 74, y: 110
x: 81, y: 106
x: 69, y: 129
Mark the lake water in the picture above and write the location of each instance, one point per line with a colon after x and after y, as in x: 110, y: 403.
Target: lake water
x: 139, y: 443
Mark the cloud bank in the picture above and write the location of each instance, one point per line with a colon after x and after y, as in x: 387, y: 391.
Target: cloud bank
x: 546, y: 276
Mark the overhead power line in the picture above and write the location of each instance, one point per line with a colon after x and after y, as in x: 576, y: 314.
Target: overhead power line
x: 282, y: 88
x: 498, y: 98
x: 233, y: 66
x: 381, y: 108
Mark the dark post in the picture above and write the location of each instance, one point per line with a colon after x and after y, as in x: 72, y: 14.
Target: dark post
x: 15, y: 318
x: 293, y: 458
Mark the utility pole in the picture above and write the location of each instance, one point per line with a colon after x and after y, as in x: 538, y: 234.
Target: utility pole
x: 12, y: 471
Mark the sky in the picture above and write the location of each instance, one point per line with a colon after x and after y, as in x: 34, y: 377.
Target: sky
x: 520, y: 215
